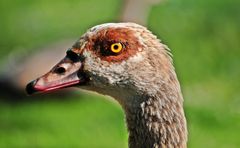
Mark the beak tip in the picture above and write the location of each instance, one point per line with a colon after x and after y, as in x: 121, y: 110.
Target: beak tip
x: 30, y: 88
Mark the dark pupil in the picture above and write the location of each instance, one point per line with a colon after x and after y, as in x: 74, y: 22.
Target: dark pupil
x: 115, y: 46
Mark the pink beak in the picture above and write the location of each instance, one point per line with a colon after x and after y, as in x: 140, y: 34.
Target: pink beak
x: 67, y: 73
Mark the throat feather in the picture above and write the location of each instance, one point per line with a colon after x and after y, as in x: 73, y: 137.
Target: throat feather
x: 155, y: 123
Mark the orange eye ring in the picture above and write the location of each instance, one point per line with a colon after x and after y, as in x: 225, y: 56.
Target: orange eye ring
x: 116, y: 47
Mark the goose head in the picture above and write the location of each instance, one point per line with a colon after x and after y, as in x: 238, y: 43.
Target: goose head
x: 116, y: 59
x: 126, y: 61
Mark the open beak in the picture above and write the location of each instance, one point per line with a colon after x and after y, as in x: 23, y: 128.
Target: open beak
x: 68, y: 72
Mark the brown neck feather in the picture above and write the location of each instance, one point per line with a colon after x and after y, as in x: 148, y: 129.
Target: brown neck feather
x: 157, y: 120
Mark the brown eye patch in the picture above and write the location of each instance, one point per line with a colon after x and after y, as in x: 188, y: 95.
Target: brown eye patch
x: 107, y: 48
x: 100, y: 43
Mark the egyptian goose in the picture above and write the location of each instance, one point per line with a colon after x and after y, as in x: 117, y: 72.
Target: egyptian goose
x: 127, y: 62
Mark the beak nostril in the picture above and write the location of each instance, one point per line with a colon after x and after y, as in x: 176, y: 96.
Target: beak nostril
x: 60, y: 70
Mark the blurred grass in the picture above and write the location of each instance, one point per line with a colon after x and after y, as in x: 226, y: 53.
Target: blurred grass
x: 85, y: 122
x: 203, y: 35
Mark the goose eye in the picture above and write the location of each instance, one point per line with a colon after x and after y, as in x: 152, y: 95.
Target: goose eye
x: 116, y: 47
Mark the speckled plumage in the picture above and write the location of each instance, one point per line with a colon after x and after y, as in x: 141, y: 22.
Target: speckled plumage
x: 146, y: 86
x: 141, y: 78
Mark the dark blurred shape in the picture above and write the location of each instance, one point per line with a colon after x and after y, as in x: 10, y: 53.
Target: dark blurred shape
x: 12, y: 94
x: 19, y: 69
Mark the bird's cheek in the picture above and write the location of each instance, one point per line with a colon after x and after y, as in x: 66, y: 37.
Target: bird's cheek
x: 90, y: 66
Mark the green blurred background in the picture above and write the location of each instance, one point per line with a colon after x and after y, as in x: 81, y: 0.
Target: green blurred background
x: 204, y: 36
